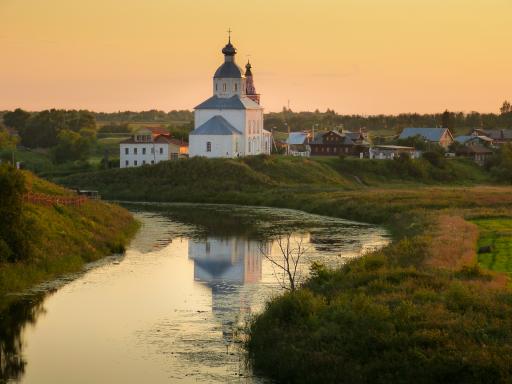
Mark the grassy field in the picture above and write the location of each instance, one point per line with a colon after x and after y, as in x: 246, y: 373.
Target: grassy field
x: 421, y: 310
x: 64, y: 238
x: 496, y: 233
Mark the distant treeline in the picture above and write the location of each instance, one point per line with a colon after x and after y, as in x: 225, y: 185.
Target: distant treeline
x: 298, y: 121
x: 145, y: 116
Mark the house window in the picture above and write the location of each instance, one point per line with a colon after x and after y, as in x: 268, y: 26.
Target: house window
x: 224, y: 87
x: 174, y: 156
x: 208, y: 146
x: 152, y: 161
x: 152, y: 150
x: 127, y: 163
x: 143, y: 162
x: 161, y: 151
x: 216, y: 86
x: 143, y: 151
x: 135, y: 152
x: 135, y: 162
x: 126, y: 151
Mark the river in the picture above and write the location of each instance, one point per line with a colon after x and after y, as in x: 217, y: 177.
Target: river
x: 173, y: 308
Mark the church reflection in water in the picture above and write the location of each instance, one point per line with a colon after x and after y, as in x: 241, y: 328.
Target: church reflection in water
x: 228, y: 266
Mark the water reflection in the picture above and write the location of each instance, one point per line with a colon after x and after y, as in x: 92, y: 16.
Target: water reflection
x: 13, y: 319
x: 225, y: 264
x: 171, y: 309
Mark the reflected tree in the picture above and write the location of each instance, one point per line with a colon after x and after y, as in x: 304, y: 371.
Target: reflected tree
x: 286, y: 262
x: 13, y: 319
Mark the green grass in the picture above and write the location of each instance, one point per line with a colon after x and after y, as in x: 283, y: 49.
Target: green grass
x: 497, y: 233
x: 64, y: 238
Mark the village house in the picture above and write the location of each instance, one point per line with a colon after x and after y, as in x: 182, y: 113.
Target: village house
x: 437, y: 136
x: 298, y: 144
x: 334, y: 143
x: 387, y: 152
x: 150, y: 146
x: 477, y: 152
x: 498, y: 136
x: 469, y: 140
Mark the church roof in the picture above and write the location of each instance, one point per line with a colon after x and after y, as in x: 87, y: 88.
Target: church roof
x: 228, y: 69
x: 217, y: 125
x: 233, y: 102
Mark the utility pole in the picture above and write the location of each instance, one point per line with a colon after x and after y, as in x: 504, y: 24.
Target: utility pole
x: 288, y: 140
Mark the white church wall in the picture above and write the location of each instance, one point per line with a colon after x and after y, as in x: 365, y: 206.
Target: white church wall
x: 220, y: 145
x: 254, y: 142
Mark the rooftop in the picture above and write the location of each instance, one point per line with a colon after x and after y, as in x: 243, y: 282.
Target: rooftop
x: 234, y: 102
x: 217, y: 125
x: 430, y: 134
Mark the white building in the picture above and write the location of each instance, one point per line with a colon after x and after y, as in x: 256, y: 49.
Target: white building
x: 150, y: 146
x: 230, y: 123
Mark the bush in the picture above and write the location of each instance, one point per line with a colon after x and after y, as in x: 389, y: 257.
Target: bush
x: 15, y: 231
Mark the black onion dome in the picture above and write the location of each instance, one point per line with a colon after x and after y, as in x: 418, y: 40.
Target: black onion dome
x: 229, y: 50
x: 229, y: 70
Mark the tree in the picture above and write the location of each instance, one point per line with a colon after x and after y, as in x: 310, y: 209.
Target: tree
x: 14, y: 227
x: 286, y: 263
x: 72, y: 146
x: 16, y: 119
x: 447, y: 119
x: 6, y: 140
x: 500, y: 164
x: 506, y: 107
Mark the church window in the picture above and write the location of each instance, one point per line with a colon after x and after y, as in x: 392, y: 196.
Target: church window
x: 208, y: 146
x: 161, y: 151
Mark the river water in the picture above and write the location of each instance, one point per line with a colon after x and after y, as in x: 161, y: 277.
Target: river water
x: 173, y: 308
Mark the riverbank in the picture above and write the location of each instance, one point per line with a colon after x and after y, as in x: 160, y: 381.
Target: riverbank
x: 421, y: 309
x: 63, y: 237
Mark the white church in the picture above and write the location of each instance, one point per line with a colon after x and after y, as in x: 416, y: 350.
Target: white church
x: 230, y: 123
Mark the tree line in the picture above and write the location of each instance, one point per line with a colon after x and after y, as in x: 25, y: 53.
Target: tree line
x: 69, y: 134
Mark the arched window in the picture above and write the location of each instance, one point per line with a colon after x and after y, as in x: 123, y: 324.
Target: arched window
x: 208, y: 146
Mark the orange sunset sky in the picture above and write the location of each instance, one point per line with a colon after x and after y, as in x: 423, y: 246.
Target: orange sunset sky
x: 354, y: 56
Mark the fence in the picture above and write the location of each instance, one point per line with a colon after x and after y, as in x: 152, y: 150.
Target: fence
x: 49, y: 200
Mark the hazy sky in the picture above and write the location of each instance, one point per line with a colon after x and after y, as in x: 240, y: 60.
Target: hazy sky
x: 354, y: 56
